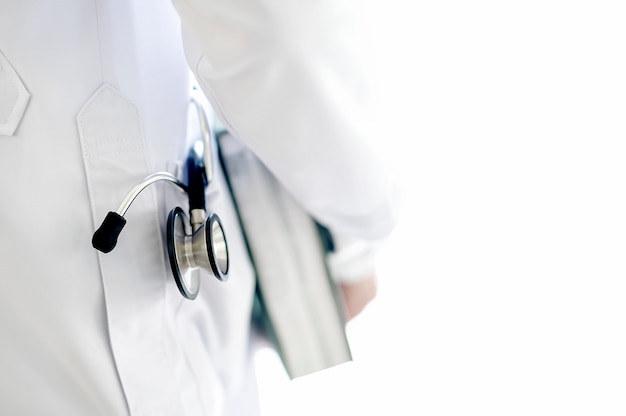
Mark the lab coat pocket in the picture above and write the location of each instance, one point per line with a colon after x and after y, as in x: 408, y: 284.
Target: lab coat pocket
x: 13, y: 98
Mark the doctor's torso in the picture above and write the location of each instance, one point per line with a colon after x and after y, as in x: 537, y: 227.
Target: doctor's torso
x: 94, y: 98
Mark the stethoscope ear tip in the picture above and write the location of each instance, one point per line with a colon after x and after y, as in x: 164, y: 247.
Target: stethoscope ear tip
x: 105, y: 237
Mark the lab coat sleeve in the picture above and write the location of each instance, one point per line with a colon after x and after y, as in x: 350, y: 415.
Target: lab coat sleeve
x: 290, y: 79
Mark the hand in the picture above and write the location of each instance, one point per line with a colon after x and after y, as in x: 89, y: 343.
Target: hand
x: 358, y: 294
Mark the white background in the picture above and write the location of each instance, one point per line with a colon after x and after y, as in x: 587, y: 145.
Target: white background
x: 503, y: 290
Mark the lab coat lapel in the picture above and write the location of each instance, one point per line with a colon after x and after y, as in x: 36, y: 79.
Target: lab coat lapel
x: 134, y: 273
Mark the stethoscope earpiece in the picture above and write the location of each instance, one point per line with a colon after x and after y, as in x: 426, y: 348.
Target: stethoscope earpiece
x: 194, y: 244
x: 190, y: 252
x: 105, y: 237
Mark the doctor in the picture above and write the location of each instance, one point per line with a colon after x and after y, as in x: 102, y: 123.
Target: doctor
x: 93, y: 98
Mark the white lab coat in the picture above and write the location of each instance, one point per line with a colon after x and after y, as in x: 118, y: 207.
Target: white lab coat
x: 93, y: 98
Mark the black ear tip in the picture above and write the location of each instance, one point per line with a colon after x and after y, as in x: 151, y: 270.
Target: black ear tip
x: 105, y: 237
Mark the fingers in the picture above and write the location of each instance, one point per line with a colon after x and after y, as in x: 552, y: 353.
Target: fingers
x: 358, y: 294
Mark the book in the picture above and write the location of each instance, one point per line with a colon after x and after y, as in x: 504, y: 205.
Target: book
x: 297, y: 302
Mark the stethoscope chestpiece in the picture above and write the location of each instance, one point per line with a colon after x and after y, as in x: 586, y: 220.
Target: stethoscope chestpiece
x: 204, y: 249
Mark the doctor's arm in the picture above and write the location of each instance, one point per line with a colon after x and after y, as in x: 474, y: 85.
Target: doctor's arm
x: 290, y: 79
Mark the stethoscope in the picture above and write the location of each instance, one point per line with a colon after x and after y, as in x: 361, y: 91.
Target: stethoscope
x: 194, y: 244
